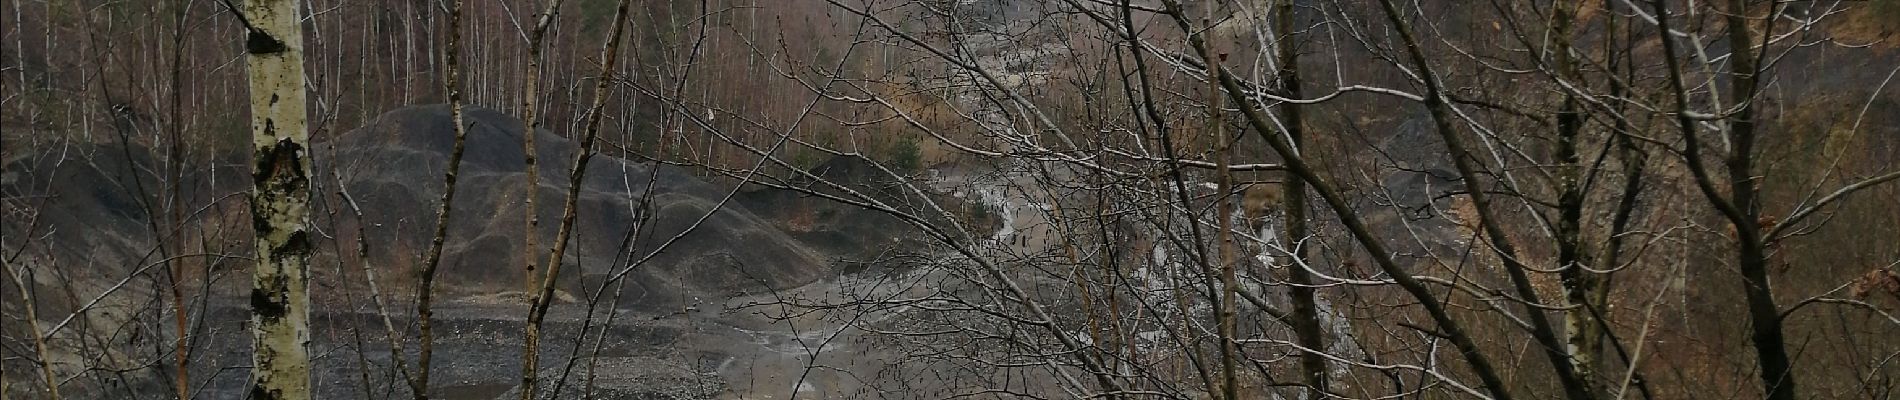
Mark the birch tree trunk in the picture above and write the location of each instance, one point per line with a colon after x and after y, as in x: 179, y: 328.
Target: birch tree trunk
x: 279, y: 202
x: 425, y: 288
x: 531, y: 98
x: 541, y: 297
x: 1580, y: 324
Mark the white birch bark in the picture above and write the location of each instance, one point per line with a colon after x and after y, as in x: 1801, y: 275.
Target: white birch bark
x: 279, y: 202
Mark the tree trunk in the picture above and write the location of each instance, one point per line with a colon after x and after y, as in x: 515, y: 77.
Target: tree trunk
x: 280, y: 201
x: 1777, y: 371
x: 425, y: 290
x: 1448, y: 328
x: 1305, y: 321
x: 1777, y: 374
x: 543, y: 295
x: 530, y: 99
x: 1581, y: 331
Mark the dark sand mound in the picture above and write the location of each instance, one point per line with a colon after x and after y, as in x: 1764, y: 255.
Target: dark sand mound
x: 393, y: 169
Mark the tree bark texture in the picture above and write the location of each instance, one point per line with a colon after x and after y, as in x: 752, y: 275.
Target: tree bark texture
x: 280, y: 201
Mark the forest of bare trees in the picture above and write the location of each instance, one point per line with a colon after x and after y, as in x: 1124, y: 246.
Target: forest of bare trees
x: 761, y: 199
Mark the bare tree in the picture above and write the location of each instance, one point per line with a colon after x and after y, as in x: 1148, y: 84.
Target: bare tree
x: 1067, y: 199
x: 280, y: 202
x: 543, y: 295
x: 426, y: 273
